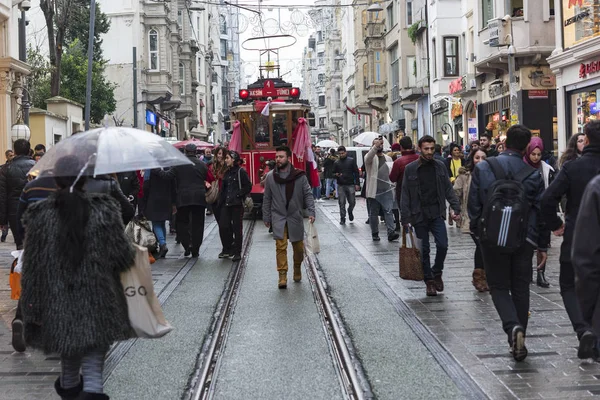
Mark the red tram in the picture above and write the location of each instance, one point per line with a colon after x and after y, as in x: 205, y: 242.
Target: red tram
x: 270, y: 114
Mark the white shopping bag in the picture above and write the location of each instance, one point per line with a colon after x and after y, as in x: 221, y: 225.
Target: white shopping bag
x: 18, y: 254
x: 145, y: 314
x: 312, y: 239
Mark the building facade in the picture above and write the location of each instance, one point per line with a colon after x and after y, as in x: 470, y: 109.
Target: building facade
x: 13, y: 73
x: 575, y: 61
x: 521, y: 33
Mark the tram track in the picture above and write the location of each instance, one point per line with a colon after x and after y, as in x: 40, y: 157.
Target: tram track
x: 352, y: 378
x: 119, y: 350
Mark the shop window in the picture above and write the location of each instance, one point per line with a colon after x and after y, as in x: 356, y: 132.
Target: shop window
x: 153, y: 50
x: 451, y: 56
x: 585, y: 107
x: 223, y: 49
x: 487, y: 12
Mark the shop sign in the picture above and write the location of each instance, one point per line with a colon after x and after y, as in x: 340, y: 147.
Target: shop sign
x: 589, y: 68
x: 439, y: 107
x: 150, y: 118
x: 579, y: 21
x: 577, y: 18
x: 537, y: 78
x: 457, y: 85
x: 457, y: 110
x: 537, y: 94
x: 472, y: 129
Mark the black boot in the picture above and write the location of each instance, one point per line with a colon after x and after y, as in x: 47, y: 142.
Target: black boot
x: 68, y: 394
x: 93, y: 396
x: 163, y: 251
x: 541, y: 278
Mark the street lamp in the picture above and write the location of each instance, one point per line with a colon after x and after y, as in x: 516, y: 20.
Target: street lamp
x: 375, y: 7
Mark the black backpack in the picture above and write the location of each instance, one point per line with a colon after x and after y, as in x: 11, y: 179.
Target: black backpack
x: 505, y: 217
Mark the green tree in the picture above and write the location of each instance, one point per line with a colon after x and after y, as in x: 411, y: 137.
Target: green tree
x: 79, y: 28
x: 74, y: 77
x: 38, y: 81
x: 73, y: 81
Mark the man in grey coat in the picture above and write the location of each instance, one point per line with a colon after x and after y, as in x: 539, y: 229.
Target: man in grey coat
x: 287, y: 193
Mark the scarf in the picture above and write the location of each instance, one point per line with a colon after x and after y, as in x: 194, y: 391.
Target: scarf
x: 289, y: 182
x: 535, y: 143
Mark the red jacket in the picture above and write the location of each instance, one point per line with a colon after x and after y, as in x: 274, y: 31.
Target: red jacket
x: 400, y: 164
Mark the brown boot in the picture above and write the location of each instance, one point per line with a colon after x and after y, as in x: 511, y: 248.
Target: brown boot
x: 297, y: 273
x: 431, y: 288
x: 479, y: 280
x: 282, y: 280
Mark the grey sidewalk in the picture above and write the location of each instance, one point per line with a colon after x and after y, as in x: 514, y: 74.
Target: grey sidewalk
x: 466, y: 323
x: 31, y: 375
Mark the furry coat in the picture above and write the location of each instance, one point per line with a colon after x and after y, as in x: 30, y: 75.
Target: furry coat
x: 71, y: 310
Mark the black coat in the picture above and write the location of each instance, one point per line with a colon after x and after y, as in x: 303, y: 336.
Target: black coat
x: 586, y: 254
x: 349, y: 171
x: 159, y: 197
x: 189, y: 181
x: 483, y: 177
x: 130, y: 185
x: 13, y: 178
x: 328, y: 166
x: 570, y: 181
x: 410, y: 204
x: 231, y: 194
x: 73, y: 309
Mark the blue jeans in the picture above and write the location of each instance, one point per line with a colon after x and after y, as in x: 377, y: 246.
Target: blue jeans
x: 438, y: 229
x: 331, y: 184
x: 317, y: 192
x: 160, y: 230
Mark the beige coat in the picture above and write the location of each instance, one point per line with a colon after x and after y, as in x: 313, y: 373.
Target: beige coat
x: 372, y: 166
x: 461, y: 188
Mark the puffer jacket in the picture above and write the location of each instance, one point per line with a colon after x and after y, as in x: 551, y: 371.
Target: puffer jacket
x: 232, y: 195
x: 73, y: 309
x: 483, y: 177
x: 13, y: 178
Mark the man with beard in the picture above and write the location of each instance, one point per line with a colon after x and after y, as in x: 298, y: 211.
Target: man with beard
x: 485, y: 143
x: 287, y: 193
x: 380, y: 195
x: 425, y: 189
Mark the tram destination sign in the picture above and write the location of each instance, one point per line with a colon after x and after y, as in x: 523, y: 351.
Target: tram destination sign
x: 274, y: 92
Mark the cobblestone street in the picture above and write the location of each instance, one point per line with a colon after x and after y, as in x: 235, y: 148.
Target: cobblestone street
x: 467, y: 324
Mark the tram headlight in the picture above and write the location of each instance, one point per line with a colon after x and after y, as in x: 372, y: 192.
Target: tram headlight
x: 244, y: 94
x: 295, y: 92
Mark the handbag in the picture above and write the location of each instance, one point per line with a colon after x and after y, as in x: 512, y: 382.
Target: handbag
x: 140, y: 232
x: 248, y: 203
x: 411, y: 267
x: 312, y: 239
x: 212, y: 194
x: 145, y: 314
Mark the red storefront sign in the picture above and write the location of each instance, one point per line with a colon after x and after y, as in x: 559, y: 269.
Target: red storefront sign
x: 456, y: 85
x: 538, y: 94
x: 589, y: 68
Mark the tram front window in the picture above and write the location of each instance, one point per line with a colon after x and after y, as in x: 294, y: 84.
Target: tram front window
x: 261, y: 131
x: 280, y: 136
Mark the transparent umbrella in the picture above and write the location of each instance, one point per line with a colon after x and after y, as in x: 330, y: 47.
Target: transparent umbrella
x: 328, y: 144
x: 110, y: 150
x: 366, y: 139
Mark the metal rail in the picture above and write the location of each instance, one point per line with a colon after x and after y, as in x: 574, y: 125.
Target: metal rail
x: 352, y: 377
x: 118, y: 351
x: 202, y: 383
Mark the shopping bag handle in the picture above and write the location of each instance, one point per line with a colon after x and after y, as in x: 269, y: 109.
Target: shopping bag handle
x: 412, y: 236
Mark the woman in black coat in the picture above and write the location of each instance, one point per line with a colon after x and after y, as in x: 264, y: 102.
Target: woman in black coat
x: 157, y: 205
x: 72, y: 300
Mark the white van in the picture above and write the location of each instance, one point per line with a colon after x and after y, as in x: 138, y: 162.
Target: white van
x: 358, y: 153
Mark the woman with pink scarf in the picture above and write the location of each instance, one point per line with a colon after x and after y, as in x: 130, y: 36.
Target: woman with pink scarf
x: 533, y: 157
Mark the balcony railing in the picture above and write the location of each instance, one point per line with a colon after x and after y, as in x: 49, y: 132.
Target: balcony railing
x: 378, y: 91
